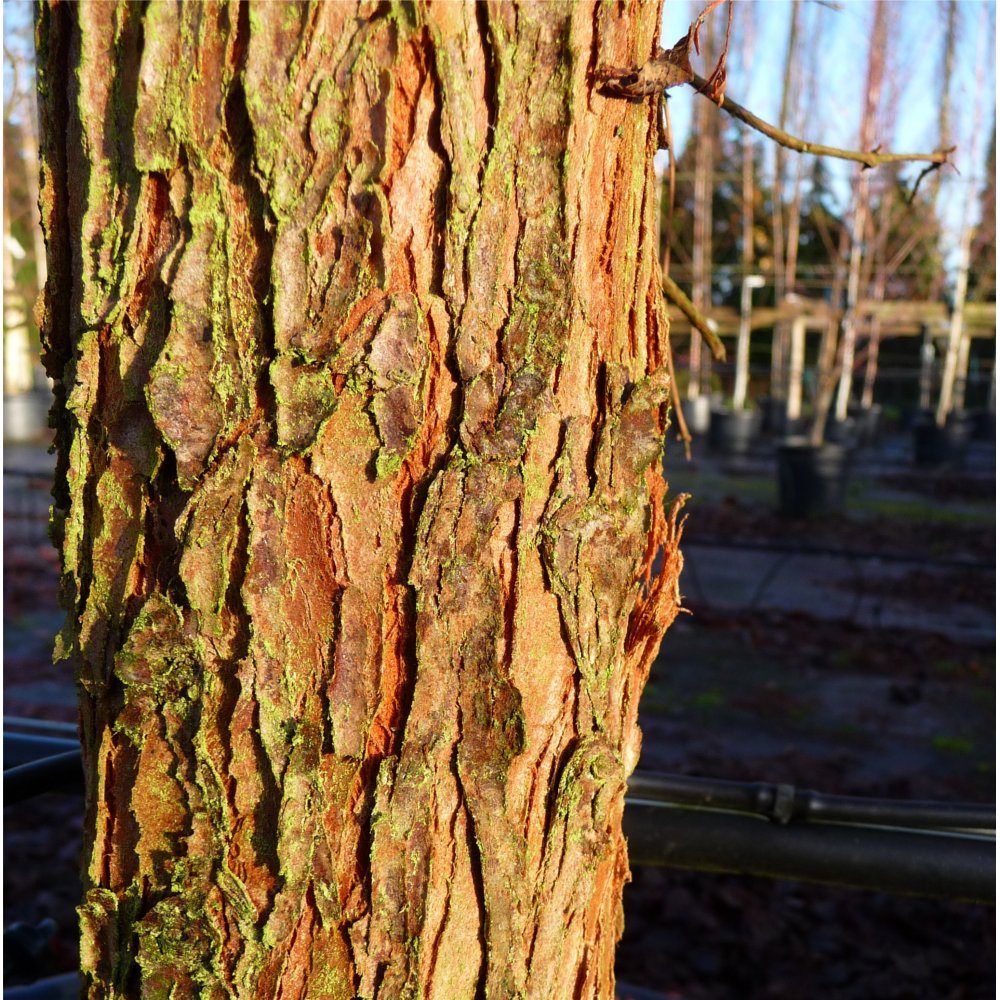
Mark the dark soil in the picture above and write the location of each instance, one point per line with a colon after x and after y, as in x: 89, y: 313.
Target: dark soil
x: 703, y: 936
x: 948, y: 486
x: 734, y: 521
x: 714, y: 937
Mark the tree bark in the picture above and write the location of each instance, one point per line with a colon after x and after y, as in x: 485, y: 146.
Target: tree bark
x: 355, y: 320
x: 860, y: 212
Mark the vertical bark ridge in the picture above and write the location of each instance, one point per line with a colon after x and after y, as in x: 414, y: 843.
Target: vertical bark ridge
x: 365, y: 412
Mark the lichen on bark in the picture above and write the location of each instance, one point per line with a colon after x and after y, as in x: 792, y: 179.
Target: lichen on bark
x: 355, y: 321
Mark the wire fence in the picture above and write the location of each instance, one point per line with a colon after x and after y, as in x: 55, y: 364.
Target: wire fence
x: 26, y: 501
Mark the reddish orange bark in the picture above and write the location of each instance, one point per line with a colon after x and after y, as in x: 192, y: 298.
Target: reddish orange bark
x: 355, y: 317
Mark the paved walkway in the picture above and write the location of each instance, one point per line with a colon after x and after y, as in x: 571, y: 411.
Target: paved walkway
x: 832, y: 587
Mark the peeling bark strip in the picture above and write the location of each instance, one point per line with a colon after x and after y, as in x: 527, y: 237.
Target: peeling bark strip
x: 356, y: 323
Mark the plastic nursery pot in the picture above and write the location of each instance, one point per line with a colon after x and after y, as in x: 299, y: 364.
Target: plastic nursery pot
x: 913, y: 415
x: 984, y: 426
x: 811, y: 480
x: 934, y: 445
x: 844, y: 432
x: 774, y: 419
x: 772, y: 415
x: 697, y: 414
x: 867, y: 422
x: 731, y: 432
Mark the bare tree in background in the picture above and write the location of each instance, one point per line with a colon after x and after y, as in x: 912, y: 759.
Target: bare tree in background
x: 23, y: 251
x: 879, y: 39
x: 956, y: 358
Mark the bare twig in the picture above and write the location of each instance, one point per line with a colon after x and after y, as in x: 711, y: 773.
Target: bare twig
x: 669, y: 68
x: 694, y: 317
x: 675, y: 396
x: 873, y: 158
x: 675, y: 404
x: 672, y: 67
x: 671, y: 182
x: 929, y: 169
x: 715, y: 86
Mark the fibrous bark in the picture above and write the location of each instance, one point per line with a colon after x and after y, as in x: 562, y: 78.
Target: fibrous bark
x: 355, y: 318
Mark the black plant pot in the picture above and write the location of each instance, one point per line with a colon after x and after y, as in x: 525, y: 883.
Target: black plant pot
x: 843, y: 432
x: 934, y: 445
x: 984, y: 426
x: 731, y: 432
x: 867, y: 423
x: 772, y: 416
x: 914, y: 415
x: 697, y: 414
x: 811, y: 480
x: 775, y: 422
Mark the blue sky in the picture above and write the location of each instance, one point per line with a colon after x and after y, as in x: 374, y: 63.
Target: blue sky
x: 842, y: 51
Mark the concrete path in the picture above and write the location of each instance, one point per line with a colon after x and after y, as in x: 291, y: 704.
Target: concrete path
x: 832, y: 587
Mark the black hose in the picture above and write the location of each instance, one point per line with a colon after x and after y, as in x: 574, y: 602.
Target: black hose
x: 22, y: 748
x: 778, y: 802
x: 722, y: 826
x: 63, y: 771
x: 912, y: 863
x: 64, y: 987
x: 50, y: 726
x: 787, y: 804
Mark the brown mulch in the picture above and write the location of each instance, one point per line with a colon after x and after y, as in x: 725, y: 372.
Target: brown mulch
x: 800, y: 639
x: 735, y: 521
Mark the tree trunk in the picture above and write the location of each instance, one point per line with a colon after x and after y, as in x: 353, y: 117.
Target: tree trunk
x: 700, y: 380
x: 17, y: 374
x: 355, y: 320
x: 778, y: 196
x: 866, y: 140
x: 952, y: 358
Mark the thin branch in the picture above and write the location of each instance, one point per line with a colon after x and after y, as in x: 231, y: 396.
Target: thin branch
x: 715, y: 85
x: 694, y: 317
x: 675, y: 404
x: 671, y: 181
x: 668, y: 139
x: 870, y: 159
x: 929, y: 169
